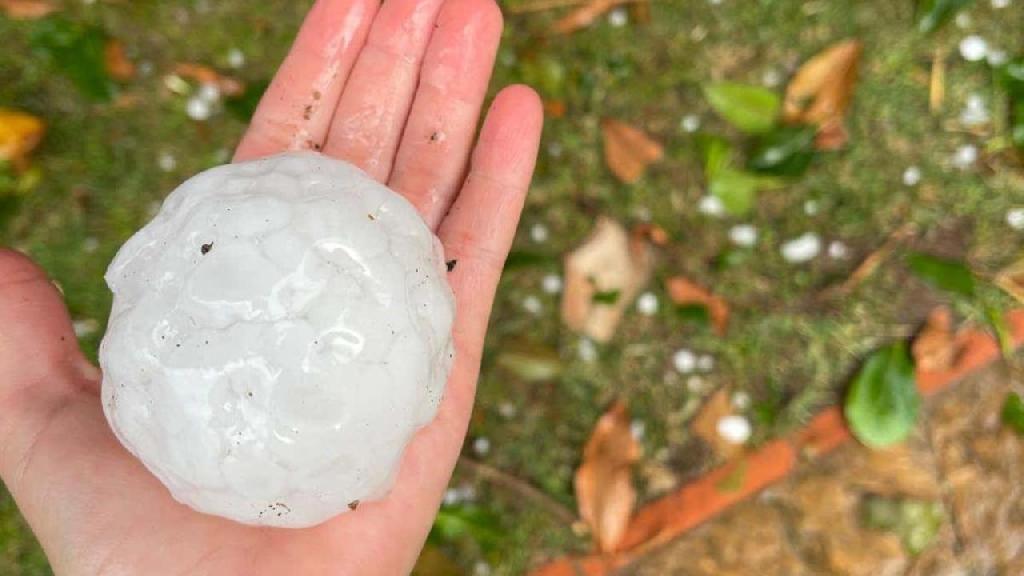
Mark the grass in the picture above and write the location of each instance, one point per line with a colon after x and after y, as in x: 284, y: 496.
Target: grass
x: 788, y: 350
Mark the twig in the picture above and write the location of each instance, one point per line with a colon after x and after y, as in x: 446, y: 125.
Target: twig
x: 545, y: 5
x: 519, y: 486
x: 937, y: 84
x: 871, y: 263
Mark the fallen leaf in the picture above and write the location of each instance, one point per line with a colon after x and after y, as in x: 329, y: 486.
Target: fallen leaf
x: 935, y: 348
x: 604, y: 481
x: 20, y: 133
x: 752, y: 109
x: 705, y: 424
x: 652, y: 233
x: 821, y: 91
x: 883, y: 402
x: 684, y: 292
x: 1013, y: 412
x: 228, y: 86
x: 949, y: 275
x: 609, y: 262
x: 937, y: 82
x: 585, y: 15
x: 1011, y: 280
x: 628, y: 151
x: 118, y: 64
x: 27, y: 9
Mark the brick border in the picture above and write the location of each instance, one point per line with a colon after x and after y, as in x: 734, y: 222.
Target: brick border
x: 693, y: 504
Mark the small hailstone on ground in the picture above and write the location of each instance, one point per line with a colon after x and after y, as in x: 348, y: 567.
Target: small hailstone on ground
x: 965, y: 156
x: 802, y: 249
x: 996, y: 57
x: 811, y: 207
x: 771, y: 78
x: 507, y: 410
x: 685, y: 361
x: 482, y: 446
x: 482, y: 568
x: 467, y: 493
x: 551, y: 284
x: 734, y: 429
x: 539, y: 233
x: 696, y: 385
x: 690, y: 123
x: 236, y: 58
x: 637, y: 428
x: 452, y: 497
x: 837, y: 250
x: 706, y: 363
x: 962, y: 20
x: 711, y: 206
x: 740, y: 400
x: 714, y: 2
x: 973, y: 48
x: 587, y: 350
x: 90, y: 244
x: 1000, y: 4
x: 209, y: 92
x: 618, y: 18
x: 85, y: 327
x: 198, y: 109
x: 533, y: 305
x: 647, y: 304
x: 912, y: 176
x: 975, y: 112
x: 1015, y: 218
x: 744, y: 235
x: 167, y: 162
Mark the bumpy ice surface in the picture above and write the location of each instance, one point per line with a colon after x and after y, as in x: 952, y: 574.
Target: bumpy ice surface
x: 279, y: 332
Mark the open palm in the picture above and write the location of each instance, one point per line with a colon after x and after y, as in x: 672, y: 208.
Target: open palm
x: 397, y: 90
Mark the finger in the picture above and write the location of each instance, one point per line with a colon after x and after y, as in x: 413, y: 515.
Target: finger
x: 435, y: 145
x: 372, y: 111
x: 296, y: 110
x: 477, y: 233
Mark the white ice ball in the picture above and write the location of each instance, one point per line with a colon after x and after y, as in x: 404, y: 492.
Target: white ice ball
x: 279, y: 332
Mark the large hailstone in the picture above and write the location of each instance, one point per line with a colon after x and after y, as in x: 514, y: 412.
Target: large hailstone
x: 279, y: 332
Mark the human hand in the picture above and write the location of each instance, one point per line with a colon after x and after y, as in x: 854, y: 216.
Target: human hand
x: 395, y: 89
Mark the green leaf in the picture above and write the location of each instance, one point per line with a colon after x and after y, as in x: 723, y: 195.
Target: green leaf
x: 738, y: 189
x: 694, y: 314
x: 717, y: 154
x: 752, y: 109
x: 916, y: 522
x: 244, y: 105
x: 1013, y: 412
x: 606, y: 297
x: 527, y: 259
x: 465, y: 521
x: 997, y: 321
x: 944, y: 274
x: 78, y: 51
x: 787, y: 151
x: 532, y: 365
x: 883, y: 402
x: 1012, y: 76
x: 933, y: 14
x: 1017, y: 124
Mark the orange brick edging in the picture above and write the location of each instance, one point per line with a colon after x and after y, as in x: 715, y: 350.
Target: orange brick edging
x: 691, y: 505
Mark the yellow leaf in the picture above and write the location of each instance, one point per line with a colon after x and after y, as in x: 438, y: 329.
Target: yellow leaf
x: 20, y: 133
x: 628, y: 151
x: 604, y: 481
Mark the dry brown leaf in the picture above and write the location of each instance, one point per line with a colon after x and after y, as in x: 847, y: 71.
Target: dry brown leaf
x: 1011, y: 280
x: 20, y: 133
x: 117, y: 63
x: 935, y: 348
x: 203, y: 74
x: 608, y: 266
x: 821, y: 91
x: 27, y: 9
x: 628, y: 151
x: 585, y: 15
x: 684, y: 292
x: 705, y: 424
x: 604, y: 481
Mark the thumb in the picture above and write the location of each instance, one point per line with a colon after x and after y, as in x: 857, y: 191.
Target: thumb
x: 37, y: 344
